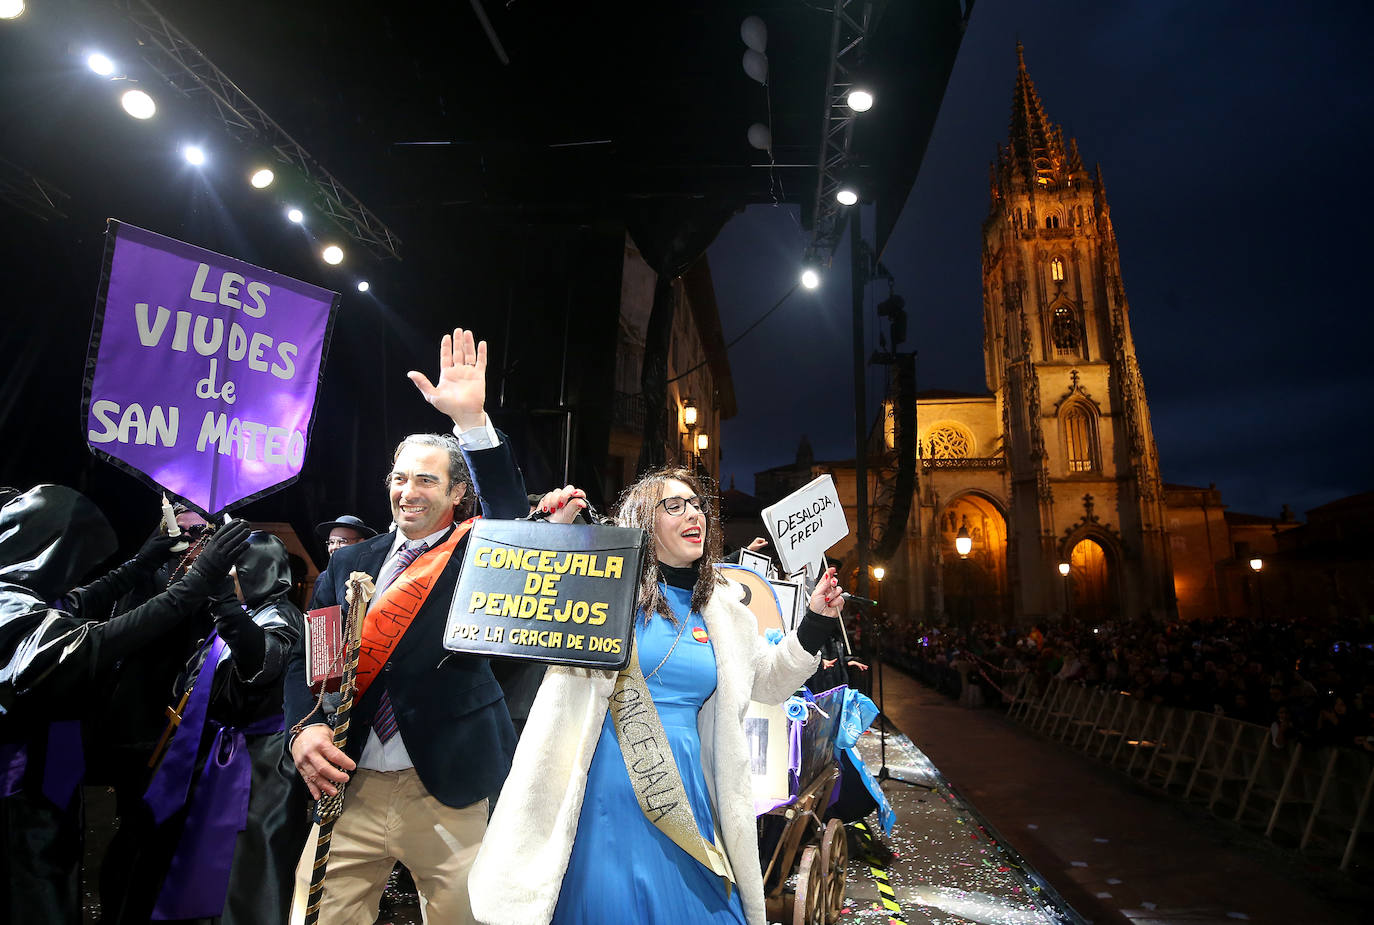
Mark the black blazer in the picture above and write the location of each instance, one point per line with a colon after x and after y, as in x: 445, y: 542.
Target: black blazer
x: 449, y: 707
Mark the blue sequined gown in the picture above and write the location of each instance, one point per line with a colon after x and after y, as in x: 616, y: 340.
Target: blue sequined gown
x: 622, y: 868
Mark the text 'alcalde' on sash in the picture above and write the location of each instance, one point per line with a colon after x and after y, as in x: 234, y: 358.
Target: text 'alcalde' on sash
x: 395, y: 609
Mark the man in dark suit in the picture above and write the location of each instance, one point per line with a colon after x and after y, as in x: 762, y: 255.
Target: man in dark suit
x: 430, y: 738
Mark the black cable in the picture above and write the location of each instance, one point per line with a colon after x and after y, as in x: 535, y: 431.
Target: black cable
x: 758, y: 321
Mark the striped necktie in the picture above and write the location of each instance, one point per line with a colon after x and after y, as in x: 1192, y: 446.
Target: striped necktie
x: 384, y: 722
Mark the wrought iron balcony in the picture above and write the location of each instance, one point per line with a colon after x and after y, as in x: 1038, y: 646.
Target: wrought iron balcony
x: 963, y: 462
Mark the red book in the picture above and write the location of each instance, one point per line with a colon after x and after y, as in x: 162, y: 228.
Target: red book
x: 324, y: 648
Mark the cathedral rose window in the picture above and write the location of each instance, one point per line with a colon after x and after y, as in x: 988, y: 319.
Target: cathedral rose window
x: 949, y: 442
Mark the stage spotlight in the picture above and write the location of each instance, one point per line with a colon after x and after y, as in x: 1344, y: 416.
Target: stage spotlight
x: 333, y: 255
x: 262, y: 179
x: 363, y: 285
x: 810, y: 279
x: 138, y: 104
x: 295, y: 215
x: 100, y: 64
x: 846, y: 196
x: 859, y: 100
x: 11, y: 9
x: 194, y: 154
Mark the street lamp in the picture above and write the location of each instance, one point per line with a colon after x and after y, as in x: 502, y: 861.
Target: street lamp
x: 689, y: 413
x: 1256, y: 565
x: 963, y: 545
x: 1064, y: 573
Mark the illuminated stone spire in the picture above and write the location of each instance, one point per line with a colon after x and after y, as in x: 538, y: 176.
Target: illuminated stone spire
x: 1075, y: 159
x: 1035, y: 149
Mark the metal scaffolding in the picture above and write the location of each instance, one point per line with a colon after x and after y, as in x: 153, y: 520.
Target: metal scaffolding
x: 186, y: 69
x: 32, y: 194
x: 848, y: 38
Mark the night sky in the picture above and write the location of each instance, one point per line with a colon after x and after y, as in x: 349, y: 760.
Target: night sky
x: 1234, y: 140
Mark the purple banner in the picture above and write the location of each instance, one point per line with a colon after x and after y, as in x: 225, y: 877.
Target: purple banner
x: 203, y: 370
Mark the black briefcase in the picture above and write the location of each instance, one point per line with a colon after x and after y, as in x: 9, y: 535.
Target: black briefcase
x: 563, y: 594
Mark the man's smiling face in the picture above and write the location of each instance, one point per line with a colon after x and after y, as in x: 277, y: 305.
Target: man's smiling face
x: 422, y: 500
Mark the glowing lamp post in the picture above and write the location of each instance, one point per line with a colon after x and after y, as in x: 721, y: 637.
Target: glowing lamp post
x: 963, y: 543
x: 1068, y: 601
x: 1256, y: 566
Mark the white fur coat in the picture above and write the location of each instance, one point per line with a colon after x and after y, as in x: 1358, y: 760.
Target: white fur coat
x: 520, y: 867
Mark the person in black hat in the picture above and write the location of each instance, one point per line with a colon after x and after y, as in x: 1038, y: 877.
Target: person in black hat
x: 344, y: 531
x: 337, y: 534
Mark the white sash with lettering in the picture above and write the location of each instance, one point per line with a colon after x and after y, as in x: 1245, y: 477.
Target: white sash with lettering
x: 654, y: 774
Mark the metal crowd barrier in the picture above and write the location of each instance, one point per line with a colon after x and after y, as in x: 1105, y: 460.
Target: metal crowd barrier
x: 1316, y: 800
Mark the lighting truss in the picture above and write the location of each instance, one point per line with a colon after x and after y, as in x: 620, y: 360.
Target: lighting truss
x: 187, y: 70
x: 32, y: 194
x: 848, y: 37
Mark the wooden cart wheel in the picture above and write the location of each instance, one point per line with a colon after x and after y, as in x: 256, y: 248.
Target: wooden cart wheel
x: 835, y: 863
x: 808, y: 903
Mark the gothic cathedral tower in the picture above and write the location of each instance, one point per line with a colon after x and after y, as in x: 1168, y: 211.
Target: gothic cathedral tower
x: 1084, y: 472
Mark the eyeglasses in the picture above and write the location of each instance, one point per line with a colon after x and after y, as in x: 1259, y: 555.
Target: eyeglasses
x: 675, y: 506
x: 339, y: 541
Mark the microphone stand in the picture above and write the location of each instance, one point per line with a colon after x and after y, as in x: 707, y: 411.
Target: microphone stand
x: 884, y: 773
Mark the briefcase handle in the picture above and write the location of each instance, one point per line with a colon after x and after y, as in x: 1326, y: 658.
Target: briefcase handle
x: 590, y: 514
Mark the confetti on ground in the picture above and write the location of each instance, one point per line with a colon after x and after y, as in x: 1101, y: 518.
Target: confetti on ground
x: 1113, y: 881
x: 1101, y: 841
x: 1078, y: 863
x: 947, y: 865
x: 1150, y: 906
x: 1032, y: 826
x: 1103, y: 895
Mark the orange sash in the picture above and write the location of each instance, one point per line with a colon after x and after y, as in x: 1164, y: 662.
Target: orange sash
x: 392, y: 613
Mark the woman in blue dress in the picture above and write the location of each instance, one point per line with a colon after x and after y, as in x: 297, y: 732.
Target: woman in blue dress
x: 568, y: 842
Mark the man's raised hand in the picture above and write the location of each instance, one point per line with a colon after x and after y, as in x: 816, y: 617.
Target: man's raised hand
x: 461, y: 391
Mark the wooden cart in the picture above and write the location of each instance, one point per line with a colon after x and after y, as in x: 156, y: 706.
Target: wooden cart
x: 805, y: 858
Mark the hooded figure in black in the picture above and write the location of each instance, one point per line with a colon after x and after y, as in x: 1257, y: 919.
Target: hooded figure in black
x: 223, y: 823
x: 56, y: 646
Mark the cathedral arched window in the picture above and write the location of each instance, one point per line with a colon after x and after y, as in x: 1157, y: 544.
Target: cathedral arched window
x: 1051, y: 221
x: 1080, y: 438
x: 1065, y: 333
x: 1057, y: 269
x: 949, y: 441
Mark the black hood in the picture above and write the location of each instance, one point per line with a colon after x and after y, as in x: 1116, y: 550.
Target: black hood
x: 263, y: 569
x: 51, y: 536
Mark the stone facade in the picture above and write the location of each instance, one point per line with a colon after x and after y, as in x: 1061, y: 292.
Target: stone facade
x: 1058, y: 462
x: 1056, y: 465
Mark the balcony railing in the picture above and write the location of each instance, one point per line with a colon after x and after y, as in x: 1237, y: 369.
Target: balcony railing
x: 963, y: 462
x: 627, y: 412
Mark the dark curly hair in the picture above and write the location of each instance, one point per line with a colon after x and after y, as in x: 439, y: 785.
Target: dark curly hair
x: 637, y: 507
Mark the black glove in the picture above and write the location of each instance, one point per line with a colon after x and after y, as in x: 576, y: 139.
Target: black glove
x: 152, y: 554
x: 219, y: 554
x: 244, y: 638
x: 96, y: 601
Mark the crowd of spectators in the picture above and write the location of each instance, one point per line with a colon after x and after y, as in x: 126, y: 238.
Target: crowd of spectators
x: 1308, y: 683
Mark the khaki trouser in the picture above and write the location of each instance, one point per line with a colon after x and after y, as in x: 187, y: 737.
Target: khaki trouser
x: 388, y: 816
